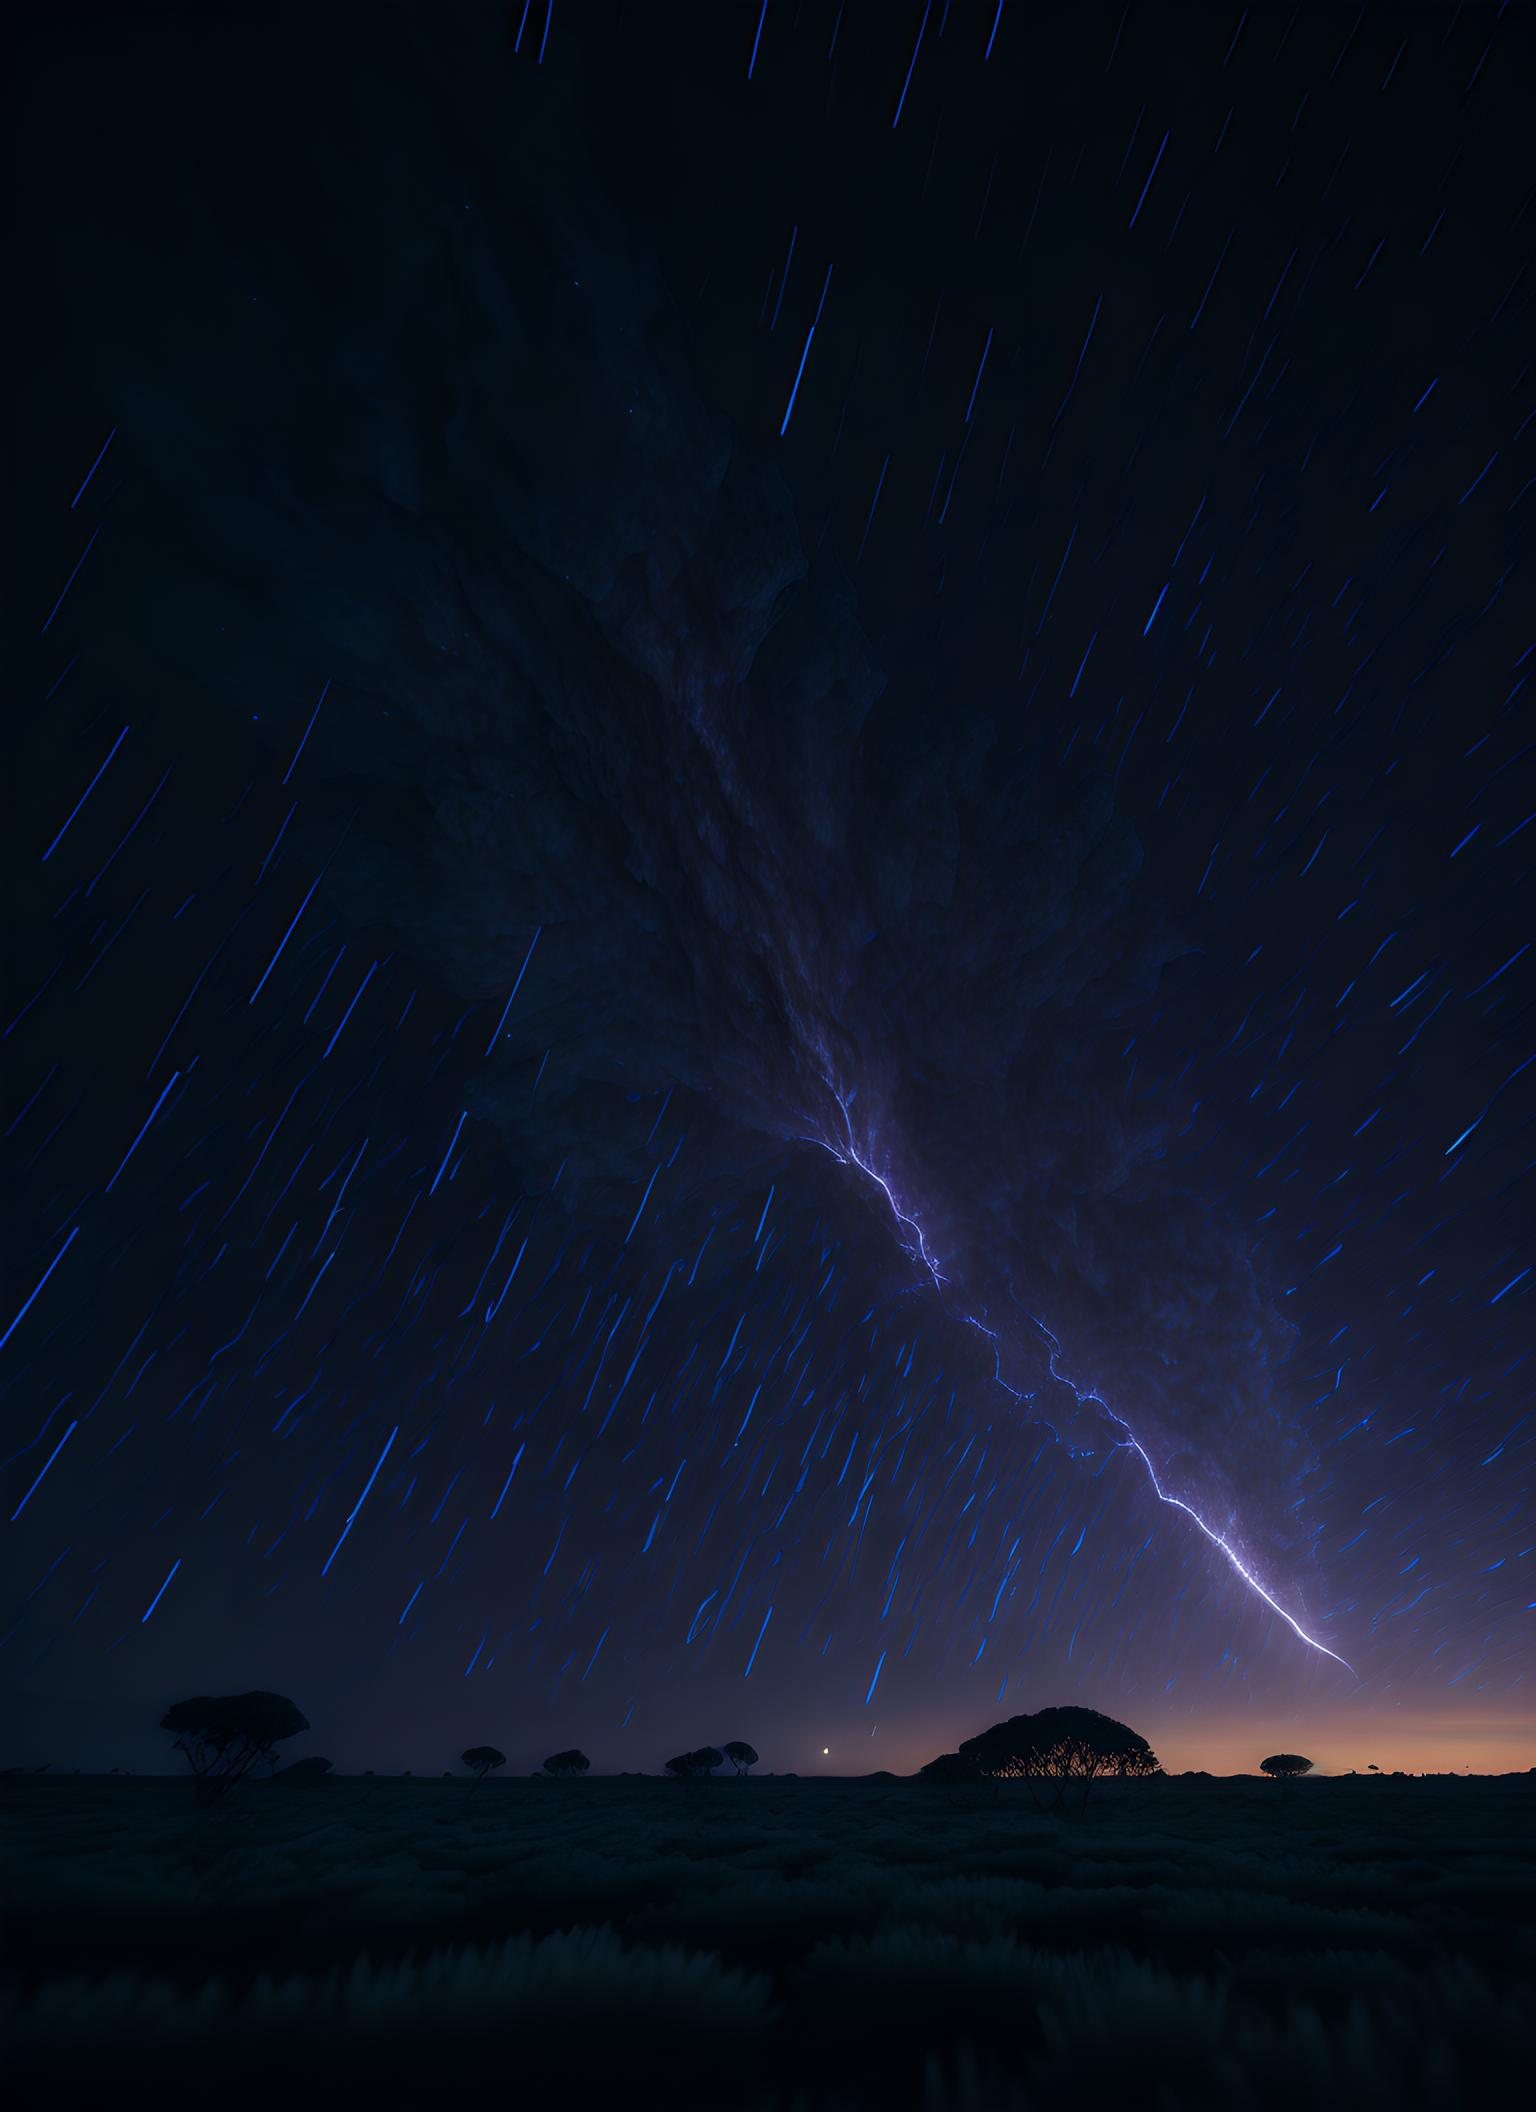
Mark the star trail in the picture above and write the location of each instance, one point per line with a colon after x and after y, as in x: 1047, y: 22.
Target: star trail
x: 769, y: 947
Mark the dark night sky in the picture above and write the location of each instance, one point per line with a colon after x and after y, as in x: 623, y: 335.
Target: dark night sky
x: 769, y: 810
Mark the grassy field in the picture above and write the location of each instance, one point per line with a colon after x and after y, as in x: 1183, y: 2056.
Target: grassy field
x: 771, y: 1945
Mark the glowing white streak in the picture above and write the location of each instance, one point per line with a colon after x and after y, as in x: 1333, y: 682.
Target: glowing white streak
x: 1129, y: 1443
x: 850, y: 1157
x: 1246, y: 1574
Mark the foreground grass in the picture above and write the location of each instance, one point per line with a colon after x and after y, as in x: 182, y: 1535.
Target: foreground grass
x: 776, y: 1944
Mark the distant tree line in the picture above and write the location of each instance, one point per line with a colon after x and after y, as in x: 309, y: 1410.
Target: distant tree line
x: 1059, y: 1752
x: 223, y: 1737
x: 692, y: 1767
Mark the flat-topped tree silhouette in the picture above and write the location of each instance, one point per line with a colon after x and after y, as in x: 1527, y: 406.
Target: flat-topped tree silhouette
x: 740, y: 1755
x: 481, y: 1759
x: 1052, y: 1750
x: 694, y: 1766
x: 1285, y: 1765
x: 566, y: 1764
x: 224, y: 1736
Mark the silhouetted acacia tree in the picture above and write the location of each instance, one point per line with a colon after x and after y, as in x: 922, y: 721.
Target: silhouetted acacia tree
x: 740, y: 1755
x: 1285, y: 1765
x: 571, y: 1763
x: 482, y: 1758
x: 1054, y: 1751
x: 225, y: 1735
x: 694, y: 1766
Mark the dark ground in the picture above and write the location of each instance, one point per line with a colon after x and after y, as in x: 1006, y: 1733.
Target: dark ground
x: 773, y: 1944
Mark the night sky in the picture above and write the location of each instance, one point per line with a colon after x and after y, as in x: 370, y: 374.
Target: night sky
x: 771, y: 826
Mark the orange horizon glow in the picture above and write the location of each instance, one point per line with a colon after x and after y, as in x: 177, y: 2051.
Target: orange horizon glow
x: 1407, y: 1741
x: 1409, y: 1744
